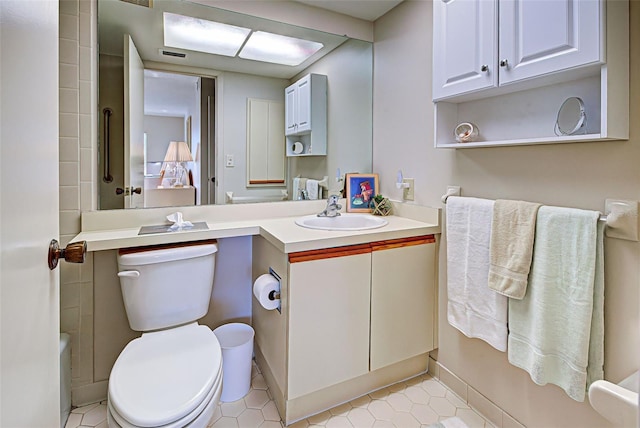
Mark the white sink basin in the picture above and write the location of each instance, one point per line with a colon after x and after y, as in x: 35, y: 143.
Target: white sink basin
x: 343, y: 222
x: 618, y: 403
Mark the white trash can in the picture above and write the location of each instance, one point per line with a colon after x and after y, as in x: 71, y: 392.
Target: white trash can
x: 236, y: 341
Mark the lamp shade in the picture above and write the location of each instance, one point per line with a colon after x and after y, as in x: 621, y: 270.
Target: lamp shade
x: 178, y: 151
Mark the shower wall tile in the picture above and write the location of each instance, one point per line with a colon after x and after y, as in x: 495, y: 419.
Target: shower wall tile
x: 69, y: 28
x: 69, y: 125
x: 69, y: 221
x: 86, y: 169
x: 68, y: 100
x: 69, y: 150
x: 68, y: 51
x: 85, y: 63
x: 69, y: 173
x: 71, y: 297
x: 86, y: 193
x: 85, y: 97
x: 69, y: 198
x: 78, y: 189
x: 69, y: 76
x: 69, y: 7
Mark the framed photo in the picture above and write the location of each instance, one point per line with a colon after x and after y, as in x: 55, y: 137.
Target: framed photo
x: 361, y: 188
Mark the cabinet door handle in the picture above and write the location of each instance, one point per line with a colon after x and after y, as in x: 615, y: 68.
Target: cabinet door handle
x: 504, y: 63
x: 484, y: 68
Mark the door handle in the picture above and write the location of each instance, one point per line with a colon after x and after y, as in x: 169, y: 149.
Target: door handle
x: 128, y: 190
x: 73, y: 253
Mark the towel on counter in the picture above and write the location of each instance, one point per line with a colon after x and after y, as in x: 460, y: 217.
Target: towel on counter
x: 312, y: 189
x: 553, y: 334
x: 299, y: 184
x: 473, y: 308
x: 513, y: 229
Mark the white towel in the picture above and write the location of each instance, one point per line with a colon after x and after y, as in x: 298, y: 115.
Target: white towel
x: 552, y: 331
x: 299, y: 184
x: 312, y: 189
x: 473, y: 308
x: 295, y: 187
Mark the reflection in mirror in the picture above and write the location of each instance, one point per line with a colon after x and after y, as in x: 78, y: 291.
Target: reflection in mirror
x: 203, y: 100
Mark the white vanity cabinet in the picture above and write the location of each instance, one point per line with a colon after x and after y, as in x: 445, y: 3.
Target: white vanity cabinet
x: 508, y: 65
x: 402, y: 300
x: 328, y: 319
x: 354, y: 319
x: 306, y: 116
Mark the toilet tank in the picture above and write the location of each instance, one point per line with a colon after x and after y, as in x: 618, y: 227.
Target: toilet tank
x: 166, y: 287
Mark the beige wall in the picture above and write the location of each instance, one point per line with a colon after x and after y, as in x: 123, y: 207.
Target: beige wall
x: 577, y: 175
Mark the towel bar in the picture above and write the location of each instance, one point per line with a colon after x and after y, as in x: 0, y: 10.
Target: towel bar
x: 621, y: 220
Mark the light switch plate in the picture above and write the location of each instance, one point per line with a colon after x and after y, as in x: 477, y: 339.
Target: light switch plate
x: 408, y: 192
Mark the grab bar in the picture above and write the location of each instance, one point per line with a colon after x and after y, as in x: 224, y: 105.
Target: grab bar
x: 107, y: 112
x: 231, y: 199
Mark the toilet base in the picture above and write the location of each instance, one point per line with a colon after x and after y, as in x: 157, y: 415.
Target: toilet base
x: 201, y: 421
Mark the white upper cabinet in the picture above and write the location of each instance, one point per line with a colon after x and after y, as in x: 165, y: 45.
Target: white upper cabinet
x: 465, y: 46
x: 481, y: 44
x: 507, y: 66
x: 306, y: 116
x: 302, y: 106
x: 541, y: 37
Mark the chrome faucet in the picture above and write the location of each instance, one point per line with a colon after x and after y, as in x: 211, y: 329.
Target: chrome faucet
x: 333, y: 207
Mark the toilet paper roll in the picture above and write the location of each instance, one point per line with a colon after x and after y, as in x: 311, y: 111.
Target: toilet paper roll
x: 264, y: 285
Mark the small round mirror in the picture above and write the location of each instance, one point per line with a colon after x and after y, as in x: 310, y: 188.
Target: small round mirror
x: 571, y: 117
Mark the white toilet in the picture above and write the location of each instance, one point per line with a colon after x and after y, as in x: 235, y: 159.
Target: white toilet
x: 172, y: 375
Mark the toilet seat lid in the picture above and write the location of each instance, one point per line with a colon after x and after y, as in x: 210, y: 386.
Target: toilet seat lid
x: 163, y: 376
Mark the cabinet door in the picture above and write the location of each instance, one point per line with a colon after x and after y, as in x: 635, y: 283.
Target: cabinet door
x: 290, y: 110
x: 402, y: 300
x: 328, y: 322
x: 464, y: 46
x: 541, y: 37
x: 303, y: 110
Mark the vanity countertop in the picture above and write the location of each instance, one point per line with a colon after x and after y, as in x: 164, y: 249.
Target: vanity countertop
x: 275, y: 223
x: 288, y: 237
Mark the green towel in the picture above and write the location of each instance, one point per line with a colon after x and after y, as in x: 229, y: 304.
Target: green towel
x: 553, y: 333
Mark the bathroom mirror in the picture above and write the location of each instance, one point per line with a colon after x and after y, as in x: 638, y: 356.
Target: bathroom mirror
x: 218, y: 135
x: 571, y: 117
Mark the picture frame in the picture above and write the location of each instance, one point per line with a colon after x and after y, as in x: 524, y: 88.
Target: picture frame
x: 361, y: 188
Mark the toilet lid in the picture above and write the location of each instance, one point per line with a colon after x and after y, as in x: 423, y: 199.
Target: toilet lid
x: 163, y: 376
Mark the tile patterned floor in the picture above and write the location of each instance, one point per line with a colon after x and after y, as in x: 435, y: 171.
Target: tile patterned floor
x: 418, y: 402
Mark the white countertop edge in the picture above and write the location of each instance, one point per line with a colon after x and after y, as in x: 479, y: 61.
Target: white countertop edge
x: 281, y: 231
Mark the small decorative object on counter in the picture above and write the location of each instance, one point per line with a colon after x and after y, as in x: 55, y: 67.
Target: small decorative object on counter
x: 466, y: 132
x: 380, y: 205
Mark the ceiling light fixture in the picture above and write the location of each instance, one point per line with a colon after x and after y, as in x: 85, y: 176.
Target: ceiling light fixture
x: 185, y: 32
x: 274, y: 48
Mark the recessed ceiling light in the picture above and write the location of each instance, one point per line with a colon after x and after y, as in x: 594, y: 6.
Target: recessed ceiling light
x: 274, y: 48
x: 185, y: 32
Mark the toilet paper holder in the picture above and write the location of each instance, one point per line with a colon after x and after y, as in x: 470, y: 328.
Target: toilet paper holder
x: 275, y: 294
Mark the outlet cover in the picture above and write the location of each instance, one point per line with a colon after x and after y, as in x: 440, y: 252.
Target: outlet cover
x: 230, y: 163
x: 407, y: 192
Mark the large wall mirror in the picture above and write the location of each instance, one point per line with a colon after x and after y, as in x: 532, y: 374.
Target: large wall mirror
x: 151, y: 94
